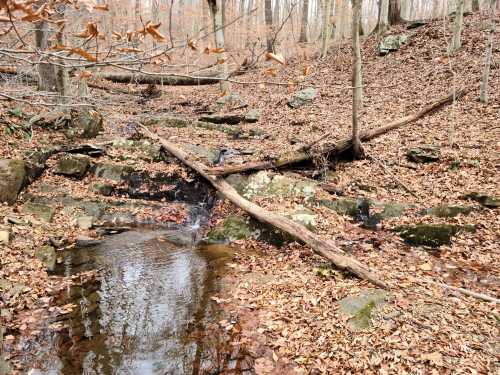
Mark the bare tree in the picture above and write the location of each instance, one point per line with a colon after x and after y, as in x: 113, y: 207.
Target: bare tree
x: 268, y: 15
x: 46, y: 70
x: 216, y: 10
x: 327, y: 27
x: 394, y: 12
x: 356, y: 78
x: 304, y: 22
x: 489, y: 47
x: 475, y: 5
x: 456, y: 42
x: 383, y: 17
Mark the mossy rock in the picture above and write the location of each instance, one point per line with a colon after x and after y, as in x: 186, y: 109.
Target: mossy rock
x: 47, y: 255
x: 424, y: 154
x: 447, y: 211
x: 85, y: 123
x: 342, y: 206
x: 432, y: 235
x: 12, y: 178
x: 484, y: 199
x: 228, y: 129
x: 102, y: 189
x: 233, y: 228
x: 40, y: 211
x: 265, y: 184
x: 391, y: 43
x: 167, y: 121
x: 223, y: 118
x: 113, y: 172
x: 360, y: 308
x: 73, y: 165
x: 209, y: 154
x: 143, y: 149
x: 302, y: 97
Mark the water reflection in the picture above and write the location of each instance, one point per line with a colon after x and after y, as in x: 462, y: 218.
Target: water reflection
x: 152, y: 297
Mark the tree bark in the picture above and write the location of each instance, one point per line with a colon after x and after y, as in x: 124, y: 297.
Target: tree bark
x: 335, y: 149
x: 394, y: 12
x: 327, y: 28
x: 160, y: 79
x: 383, y: 17
x: 268, y: 16
x: 483, y: 96
x: 317, y: 244
x: 456, y: 41
x: 356, y: 78
x: 475, y: 5
x: 46, y: 71
x: 304, y: 22
x: 216, y: 11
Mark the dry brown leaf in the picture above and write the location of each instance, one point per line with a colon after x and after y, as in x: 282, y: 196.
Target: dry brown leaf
x: 84, y: 54
x: 278, y: 57
x: 116, y: 35
x: 104, y: 7
x: 435, y: 358
x: 192, y: 44
x: 130, y: 49
x: 306, y: 70
x: 85, y: 74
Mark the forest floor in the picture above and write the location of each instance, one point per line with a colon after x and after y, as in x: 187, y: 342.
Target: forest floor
x: 287, y: 300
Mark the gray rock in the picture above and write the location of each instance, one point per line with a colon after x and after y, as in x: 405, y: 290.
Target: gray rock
x: 424, y: 154
x: 228, y: 129
x: 84, y: 241
x: 342, y: 206
x: 391, y: 43
x: 231, y: 100
x: 12, y: 178
x: 85, y: 222
x: 303, y: 216
x: 360, y: 308
x: 484, y: 199
x: 4, y: 236
x: 168, y: 121
x: 47, y: 255
x: 223, y: 118
x: 302, y: 97
x: 447, y: 211
x: 114, y: 172
x: 35, y: 162
x: 73, y: 165
x: 203, y: 152
x: 103, y: 189
x: 40, y: 211
x: 142, y: 149
x: 86, y: 123
x: 252, y: 115
x: 433, y: 235
x: 231, y: 229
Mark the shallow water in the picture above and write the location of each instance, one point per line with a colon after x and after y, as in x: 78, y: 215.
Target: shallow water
x: 145, y: 316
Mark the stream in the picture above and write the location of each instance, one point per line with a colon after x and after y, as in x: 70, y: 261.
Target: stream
x: 147, y: 313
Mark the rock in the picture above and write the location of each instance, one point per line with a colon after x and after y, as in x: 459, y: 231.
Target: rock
x: 228, y: 129
x: 73, y: 165
x: 12, y: 178
x: 390, y: 209
x: 416, y: 24
x: 391, y: 43
x: 302, y: 97
x: 447, y: 211
x: 84, y: 241
x: 35, y: 162
x: 203, y: 152
x: 223, y: 118
x: 351, y: 206
x: 167, y: 121
x: 143, y: 149
x: 102, y: 189
x: 86, y: 123
x: 432, y: 235
x: 85, y: 222
x: 87, y: 149
x: 266, y: 184
x: 342, y: 206
x: 303, y: 216
x: 360, y: 309
x: 484, y: 199
x: 233, y: 228
x: 424, y: 154
x: 4, y: 236
x: 40, y: 211
x: 114, y: 172
x: 252, y: 116
x: 47, y: 255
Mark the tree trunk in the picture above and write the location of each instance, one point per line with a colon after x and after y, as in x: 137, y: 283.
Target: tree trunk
x: 46, y: 71
x: 305, y: 22
x: 394, y: 12
x: 268, y: 15
x: 317, y: 244
x: 159, y: 79
x: 216, y: 10
x: 327, y: 27
x: 356, y: 78
x: 62, y: 75
x: 456, y: 41
x: 483, y: 96
x: 383, y: 17
x: 332, y: 149
x: 475, y: 5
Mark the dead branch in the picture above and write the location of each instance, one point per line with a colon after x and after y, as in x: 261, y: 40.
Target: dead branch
x: 318, y: 245
x: 467, y: 292
x: 335, y: 149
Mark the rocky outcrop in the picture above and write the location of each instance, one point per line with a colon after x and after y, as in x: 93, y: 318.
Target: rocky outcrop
x: 47, y: 255
x: 359, y: 309
x: 223, y: 118
x: 432, y: 235
x: 484, y: 199
x: 40, y: 211
x: 391, y: 43
x: 114, y: 172
x: 302, y: 97
x: 447, y: 211
x: 12, y: 179
x: 424, y: 154
x: 73, y: 165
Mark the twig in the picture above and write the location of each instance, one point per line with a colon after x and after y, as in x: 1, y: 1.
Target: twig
x: 386, y: 170
x: 467, y: 292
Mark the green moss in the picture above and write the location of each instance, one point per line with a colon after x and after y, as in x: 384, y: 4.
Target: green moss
x: 433, y: 235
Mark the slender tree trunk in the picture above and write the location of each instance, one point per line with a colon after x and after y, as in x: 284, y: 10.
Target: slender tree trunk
x: 268, y: 15
x: 356, y: 78
x: 383, y: 17
x: 304, y: 22
x: 489, y: 47
x: 456, y: 41
x: 394, y: 12
x: 475, y: 5
x: 46, y: 71
x: 62, y: 76
x: 327, y: 27
x: 217, y: 19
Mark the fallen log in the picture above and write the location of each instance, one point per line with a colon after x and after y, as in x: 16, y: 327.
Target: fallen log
x: 159, y: 79
x: 343, y: 145
x: 317, y: 244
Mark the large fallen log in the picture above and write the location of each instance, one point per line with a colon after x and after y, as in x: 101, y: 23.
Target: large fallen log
x: 317, y: 244
x: 343, y: 145
x: 159, y: 79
